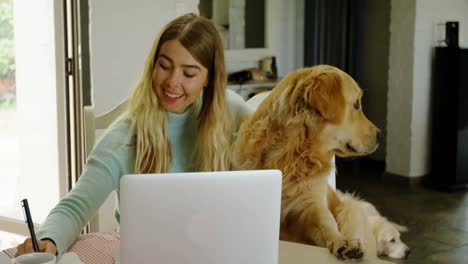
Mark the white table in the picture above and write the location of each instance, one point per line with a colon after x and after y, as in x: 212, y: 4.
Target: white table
x: 289, y: 253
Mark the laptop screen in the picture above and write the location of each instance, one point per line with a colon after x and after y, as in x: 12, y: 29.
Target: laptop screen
x: 202, y: 217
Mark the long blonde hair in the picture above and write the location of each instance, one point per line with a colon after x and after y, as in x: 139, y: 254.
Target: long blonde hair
x: 153, y: 149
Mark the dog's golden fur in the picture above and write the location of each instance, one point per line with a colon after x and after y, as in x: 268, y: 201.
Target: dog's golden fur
x: 360, y: 219
x: 311, y: 115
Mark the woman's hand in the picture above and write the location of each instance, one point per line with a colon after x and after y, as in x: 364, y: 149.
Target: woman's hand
x: 44, y: 246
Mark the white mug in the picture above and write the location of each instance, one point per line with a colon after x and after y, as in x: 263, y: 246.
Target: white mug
x: 35, y: 258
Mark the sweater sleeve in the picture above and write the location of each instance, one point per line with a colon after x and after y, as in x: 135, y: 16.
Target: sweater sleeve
x: 111, y: 158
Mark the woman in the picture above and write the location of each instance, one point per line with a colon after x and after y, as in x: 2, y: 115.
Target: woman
x: 181, y: 96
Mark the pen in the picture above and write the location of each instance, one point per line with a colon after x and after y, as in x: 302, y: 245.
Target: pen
x: 28, y: 220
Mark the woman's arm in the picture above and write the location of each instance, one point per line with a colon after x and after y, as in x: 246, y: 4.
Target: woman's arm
x: 111, y: 158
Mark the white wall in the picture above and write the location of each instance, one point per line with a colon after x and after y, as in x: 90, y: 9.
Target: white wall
x: 400, y: 85
x: 414, y: 32
x: 121, y: 35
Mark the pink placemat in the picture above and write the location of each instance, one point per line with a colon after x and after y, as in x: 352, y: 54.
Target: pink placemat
x: 94, y: 248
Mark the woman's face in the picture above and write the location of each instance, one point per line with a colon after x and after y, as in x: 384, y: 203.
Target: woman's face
x: 178, y: 78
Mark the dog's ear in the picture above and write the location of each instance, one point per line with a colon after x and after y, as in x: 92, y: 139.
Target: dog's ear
x: 400, y: 228
x: 325, y: 96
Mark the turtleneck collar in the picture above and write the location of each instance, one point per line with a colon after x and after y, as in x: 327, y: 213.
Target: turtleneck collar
x: 179, y: 119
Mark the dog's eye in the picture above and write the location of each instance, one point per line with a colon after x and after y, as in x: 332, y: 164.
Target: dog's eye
x: 357, y: 105
x: 392, y: 241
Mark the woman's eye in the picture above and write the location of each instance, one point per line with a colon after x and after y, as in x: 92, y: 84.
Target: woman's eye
x: 357, y: 105
x: 164, y: 67
x: 189, y: 75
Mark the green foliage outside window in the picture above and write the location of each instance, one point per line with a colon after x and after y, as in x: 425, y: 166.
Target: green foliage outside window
x: 7, y: 45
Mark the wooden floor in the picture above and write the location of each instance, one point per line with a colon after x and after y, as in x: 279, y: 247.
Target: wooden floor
x: 437, y: 221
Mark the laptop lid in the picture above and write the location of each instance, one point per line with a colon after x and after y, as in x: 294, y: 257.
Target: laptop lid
x: 201, y: 217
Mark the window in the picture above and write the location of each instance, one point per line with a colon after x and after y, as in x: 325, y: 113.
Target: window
x: 32, y: 110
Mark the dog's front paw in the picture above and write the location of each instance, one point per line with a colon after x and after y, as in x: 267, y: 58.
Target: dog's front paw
x: 351, y: 249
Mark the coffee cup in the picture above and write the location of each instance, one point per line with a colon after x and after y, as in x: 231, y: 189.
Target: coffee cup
x: 35, y: 258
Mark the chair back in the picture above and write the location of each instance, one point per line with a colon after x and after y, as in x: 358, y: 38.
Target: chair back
x: 101, y: 122
x: 94, y: 126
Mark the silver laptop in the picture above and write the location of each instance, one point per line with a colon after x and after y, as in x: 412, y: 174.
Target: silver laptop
x: 202, y: 217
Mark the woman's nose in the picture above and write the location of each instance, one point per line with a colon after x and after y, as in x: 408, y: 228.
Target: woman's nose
x: 174, y: 80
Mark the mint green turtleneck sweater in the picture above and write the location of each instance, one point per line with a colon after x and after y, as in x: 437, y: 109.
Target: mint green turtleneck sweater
x: 113, y: 157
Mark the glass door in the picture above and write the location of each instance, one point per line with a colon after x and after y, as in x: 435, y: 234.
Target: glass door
x: 33, y: 127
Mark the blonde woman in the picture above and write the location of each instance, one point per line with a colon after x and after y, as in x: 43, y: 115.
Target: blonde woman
x: 180, y: 97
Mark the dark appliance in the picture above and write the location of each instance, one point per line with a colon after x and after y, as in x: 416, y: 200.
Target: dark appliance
x: 449, y: 118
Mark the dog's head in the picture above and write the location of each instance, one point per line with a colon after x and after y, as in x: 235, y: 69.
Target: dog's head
x: 388, y: 239
x: 329, y: 97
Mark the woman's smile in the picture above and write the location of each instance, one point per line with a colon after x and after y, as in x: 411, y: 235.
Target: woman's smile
x: 171, y: 96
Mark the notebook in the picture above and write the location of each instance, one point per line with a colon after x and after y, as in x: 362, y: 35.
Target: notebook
x: 228, y: 217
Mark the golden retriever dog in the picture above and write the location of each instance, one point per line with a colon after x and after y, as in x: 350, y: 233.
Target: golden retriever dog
x: 358, y: 218
x: 311, y: 115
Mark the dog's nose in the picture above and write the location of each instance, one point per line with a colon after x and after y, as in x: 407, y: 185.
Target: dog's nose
x: 407, y: 252
x: 379, y: 137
